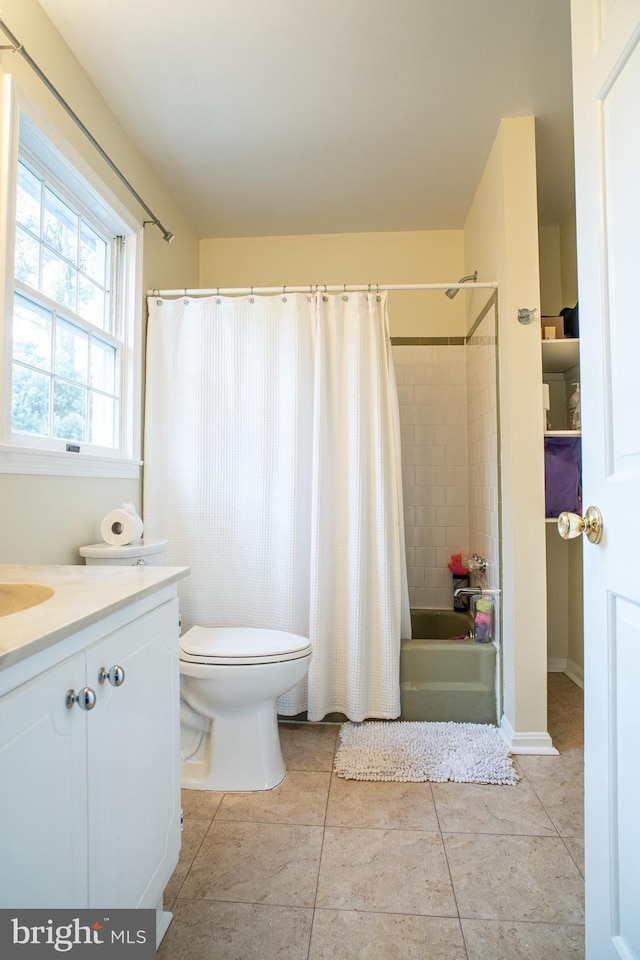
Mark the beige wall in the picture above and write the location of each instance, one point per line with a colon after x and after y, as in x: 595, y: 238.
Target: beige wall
x: 558, y: 266
x: 45, y: 519
x: 435, y: 256
x: 575, y: 650
x: 557, y: 594
x: 551, y: 301
x: 501, y: 240
x: 564, y: 604
x: 568, y: 260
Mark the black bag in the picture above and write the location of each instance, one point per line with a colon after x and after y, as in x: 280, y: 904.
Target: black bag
x: 571, y: 328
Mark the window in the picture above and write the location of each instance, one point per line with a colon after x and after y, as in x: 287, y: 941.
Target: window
x: 71, y: 370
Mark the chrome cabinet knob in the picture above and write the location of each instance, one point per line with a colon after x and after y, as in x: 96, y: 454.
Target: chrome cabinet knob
x: 115, y: 675
x: 570, y: 525
x: 85, y: 698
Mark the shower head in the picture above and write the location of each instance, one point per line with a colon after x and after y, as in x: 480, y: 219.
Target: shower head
x: 451, y: 292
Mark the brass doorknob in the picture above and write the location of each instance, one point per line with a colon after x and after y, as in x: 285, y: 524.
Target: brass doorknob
x: 570, y: 525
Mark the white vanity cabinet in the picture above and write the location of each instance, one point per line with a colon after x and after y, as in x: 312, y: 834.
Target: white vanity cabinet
x: 133, y: 762
x: 43, y: 793
x: 90, y: 798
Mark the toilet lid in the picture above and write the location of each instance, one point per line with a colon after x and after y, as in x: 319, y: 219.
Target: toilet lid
x: 241, y: 645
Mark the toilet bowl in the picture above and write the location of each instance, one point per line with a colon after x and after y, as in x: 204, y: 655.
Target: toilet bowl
x: 230, y: 680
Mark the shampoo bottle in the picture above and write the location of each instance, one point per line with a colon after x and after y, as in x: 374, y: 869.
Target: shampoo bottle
x: 574, y: 408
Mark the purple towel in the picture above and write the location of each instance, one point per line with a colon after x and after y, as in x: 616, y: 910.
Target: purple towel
x: 562, y: 471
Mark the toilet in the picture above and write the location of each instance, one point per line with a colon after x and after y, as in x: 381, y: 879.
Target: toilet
x: 230, y: 680
x: 138, y: 553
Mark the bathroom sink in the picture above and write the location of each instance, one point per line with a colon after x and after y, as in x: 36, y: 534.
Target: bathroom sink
x: 20, y: 596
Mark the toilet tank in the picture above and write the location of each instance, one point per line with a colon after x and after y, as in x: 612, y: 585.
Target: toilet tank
x: 138, y: 553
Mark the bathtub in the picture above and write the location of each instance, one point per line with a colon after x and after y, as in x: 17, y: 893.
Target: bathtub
x: 444, y: 674
x: 440, y: 624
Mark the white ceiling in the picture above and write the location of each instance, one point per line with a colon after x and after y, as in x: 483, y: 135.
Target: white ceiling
x: 270, y: 117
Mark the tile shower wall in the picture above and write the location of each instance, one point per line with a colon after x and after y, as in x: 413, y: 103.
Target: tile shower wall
x: 482, y: 432
x: 433, y: 412
x: 448, y: 422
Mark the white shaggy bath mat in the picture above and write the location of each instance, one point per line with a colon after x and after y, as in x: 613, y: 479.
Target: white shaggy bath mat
x: 407, y: 751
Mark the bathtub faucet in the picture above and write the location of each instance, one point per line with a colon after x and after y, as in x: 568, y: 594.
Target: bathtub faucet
x: 467, y: 592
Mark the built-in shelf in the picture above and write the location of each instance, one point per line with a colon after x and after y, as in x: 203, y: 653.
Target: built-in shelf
x: 563, y: 433
x: 560, y: 355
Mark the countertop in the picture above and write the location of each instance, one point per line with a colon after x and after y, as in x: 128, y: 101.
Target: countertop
x: 83, y: 595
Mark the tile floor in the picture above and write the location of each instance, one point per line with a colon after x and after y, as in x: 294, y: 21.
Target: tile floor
x: 329, y: 869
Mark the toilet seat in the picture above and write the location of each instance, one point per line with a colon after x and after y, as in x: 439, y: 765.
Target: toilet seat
x: 241, y: 645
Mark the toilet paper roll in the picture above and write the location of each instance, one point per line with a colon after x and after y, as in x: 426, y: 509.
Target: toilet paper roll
x: 121, y: 527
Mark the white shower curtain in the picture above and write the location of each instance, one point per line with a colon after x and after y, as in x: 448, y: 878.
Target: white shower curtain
x: 272, y: 466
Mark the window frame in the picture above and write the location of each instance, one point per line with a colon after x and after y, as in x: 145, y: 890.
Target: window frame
x: 54, y: 156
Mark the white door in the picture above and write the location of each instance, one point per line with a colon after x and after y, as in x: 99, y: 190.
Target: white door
x: 606, y: 64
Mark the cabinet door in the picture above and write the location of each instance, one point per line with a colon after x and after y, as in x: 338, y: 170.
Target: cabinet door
x: 43, y: 795
x: 133, y: 762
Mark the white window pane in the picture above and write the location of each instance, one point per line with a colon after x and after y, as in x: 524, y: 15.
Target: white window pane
x: 69, y: 411
x: 60, y: 226
x: 27, y: 258
x: 72, y: 352
x: 58, y: 280
x: 65, y: 367
x: 103, y: 365
x: 31, y: 334
x: 93, y: 254
x: 29, y: 401
x: 90, y: 302
x: 102, y: 425
x: 28, y: 199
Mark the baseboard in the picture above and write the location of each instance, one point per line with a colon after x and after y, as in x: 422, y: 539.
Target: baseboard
x: 575, y: 672
x: 557, y: 664
x: 163, y: 919
x: 535, y: 742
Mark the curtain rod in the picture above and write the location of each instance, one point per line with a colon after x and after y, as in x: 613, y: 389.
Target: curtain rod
x: 17, y: 47
x: 323, y: 288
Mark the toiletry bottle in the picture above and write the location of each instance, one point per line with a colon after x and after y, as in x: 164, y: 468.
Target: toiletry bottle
x: 574, y: 408
x: 483, y: 620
